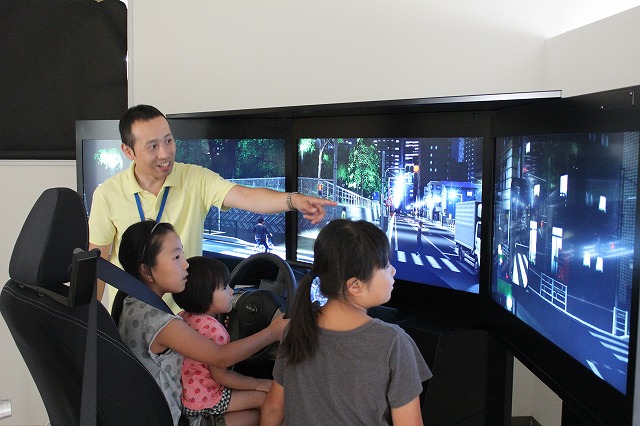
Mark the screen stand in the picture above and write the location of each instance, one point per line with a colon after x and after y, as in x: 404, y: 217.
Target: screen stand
x: 459, y: 351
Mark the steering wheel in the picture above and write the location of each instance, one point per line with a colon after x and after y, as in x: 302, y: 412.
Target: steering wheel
x: 264, y: 286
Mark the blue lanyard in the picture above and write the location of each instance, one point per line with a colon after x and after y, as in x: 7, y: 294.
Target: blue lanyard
x: 162, y: 203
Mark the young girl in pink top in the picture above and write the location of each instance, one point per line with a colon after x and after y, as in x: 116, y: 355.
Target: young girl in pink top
x: 208, y: 390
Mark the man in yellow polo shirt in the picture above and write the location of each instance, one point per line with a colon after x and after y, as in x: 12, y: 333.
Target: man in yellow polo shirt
x: 156, y: 187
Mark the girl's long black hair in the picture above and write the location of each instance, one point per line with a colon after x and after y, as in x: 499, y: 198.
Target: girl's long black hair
x: 140, y: 245
x: 343, y: 249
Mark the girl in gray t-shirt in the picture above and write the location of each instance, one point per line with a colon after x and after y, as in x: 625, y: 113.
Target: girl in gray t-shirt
x: 337, y: 365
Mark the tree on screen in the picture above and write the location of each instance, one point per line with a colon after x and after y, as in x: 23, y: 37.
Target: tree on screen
x: 110, y: 159
x: 309, y: 146
x: 259, y: 158
x: 363, y: 170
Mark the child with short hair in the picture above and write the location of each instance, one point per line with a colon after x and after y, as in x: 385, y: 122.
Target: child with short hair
x: 209, y: 390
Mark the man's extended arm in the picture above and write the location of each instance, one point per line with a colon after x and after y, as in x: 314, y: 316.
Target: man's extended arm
x: 268, y: 201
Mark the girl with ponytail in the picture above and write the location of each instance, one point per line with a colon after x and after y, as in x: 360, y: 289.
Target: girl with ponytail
x: 337, y: 364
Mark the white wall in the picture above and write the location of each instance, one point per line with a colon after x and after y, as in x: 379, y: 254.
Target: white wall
x: 23, y: 182
x: 597, y: 57
x: 198, y: 55
x: 192, y: 56
x: 531, y: 397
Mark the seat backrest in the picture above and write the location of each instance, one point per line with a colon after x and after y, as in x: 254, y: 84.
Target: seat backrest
x: 51, y: 336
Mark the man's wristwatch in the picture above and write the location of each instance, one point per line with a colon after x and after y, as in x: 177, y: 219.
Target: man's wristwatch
x: 289, y: 203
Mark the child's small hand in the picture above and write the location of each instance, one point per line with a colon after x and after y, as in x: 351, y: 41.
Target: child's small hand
x: 263, y: 385
x: 278, y: 324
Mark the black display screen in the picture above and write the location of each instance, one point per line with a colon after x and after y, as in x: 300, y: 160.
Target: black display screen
x: 563, y: 242
x: 425, y: 193
x: 249, y: 162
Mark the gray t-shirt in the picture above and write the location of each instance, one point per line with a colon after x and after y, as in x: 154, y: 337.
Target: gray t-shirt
x: 354, y: 377
x: 139, y: 325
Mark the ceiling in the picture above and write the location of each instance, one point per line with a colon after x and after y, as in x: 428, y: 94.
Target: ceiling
x: 540, y: 18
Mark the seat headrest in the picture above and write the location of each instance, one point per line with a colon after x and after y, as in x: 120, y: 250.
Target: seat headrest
x: 55, y: 226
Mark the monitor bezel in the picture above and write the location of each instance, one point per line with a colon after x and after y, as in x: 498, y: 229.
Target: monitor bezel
x: 91, y: 130
x: 187, y: 129
x: 585, y: 397
x: 413, y: 297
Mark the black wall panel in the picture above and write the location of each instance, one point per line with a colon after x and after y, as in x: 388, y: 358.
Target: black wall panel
x: 62, y: 61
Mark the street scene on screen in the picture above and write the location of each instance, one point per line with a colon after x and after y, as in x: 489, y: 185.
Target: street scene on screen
x: 425, y: 193
x: 564, y: 235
